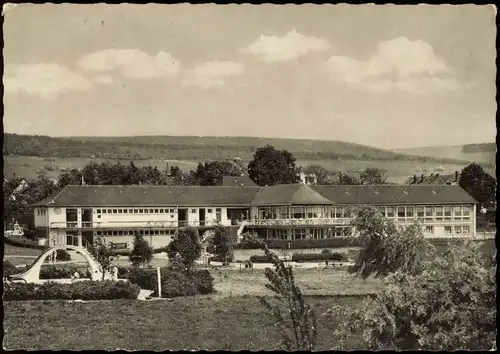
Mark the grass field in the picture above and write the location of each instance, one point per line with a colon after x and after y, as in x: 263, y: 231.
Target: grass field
x: 192, y: 323
x: 397, y: 171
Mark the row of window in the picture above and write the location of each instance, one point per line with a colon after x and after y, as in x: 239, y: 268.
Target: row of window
x: 132, y: 233
x: 136, y: 211
x: 301, y: 234
x: 448, y: 212
x: 41, y: 212
x: 449, y: 230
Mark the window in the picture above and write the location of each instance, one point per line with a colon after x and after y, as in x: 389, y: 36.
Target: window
x: 458, y: 230
x: 401, y: 213
x: 104, y: 211
x: 161, y: 211
x: 157, y: 232
x: 120, y: 211
x: 390, y: 212
x: 338, y: 212
x: 429, y: 230
x: 420, y: 212
x: 115, y: 211
x: 209, y: 211
x: 141, y: 232
x: 465, y: 212
x: 193, y: 211
x: 110, y: 211
x: 447, y: 230
x: 156, y: 211
x: 299, y: 234
x: 141, y: 211
x: 447, y: 212
x: 98, y: 211
x: 136, y: 211
x: 409, y: 212
x: 429, y: 213
x: 146, y: 232
x: 466, y: 229
x: 115, y: 233
x: 120, y: 232
x: 314, y: 212
x: 297, y: 212
x: 381, y: 210
x: 98, y: 233
x: 457, y: 212
x: 151, y: 211
x: 439, y: 213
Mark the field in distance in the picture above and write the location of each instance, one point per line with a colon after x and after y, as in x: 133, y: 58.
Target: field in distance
x: 397, y: 171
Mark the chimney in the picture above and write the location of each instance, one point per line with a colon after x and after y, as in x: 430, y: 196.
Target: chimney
x: 340, y: 177
x: 422, y: 178
x: 414, y: 179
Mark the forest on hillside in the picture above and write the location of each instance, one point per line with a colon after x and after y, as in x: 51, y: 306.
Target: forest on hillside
x: 194, y: 148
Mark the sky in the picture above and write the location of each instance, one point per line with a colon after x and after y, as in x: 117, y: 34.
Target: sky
x: 386, y: 76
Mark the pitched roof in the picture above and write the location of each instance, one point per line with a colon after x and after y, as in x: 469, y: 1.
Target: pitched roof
x: 237, y: 181
x: 291, y: 194
x: 395, y: 194
x: 106, y: 195
x: 285, y: 194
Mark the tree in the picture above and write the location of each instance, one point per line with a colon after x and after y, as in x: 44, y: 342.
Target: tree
x: 186, y: 245
x: 346, y: 179
x: 142, y: 253
x: 479, y: 184
x: 103, y: 255
x: 450, y: 306
x: 321, y: 173
x: 271, y: 166
x: 387, y: 248
x: 221, y: 244
x: 71, y: 177
x: 372, y: 176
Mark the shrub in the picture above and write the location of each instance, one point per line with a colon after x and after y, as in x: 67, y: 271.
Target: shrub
x: 9, y: 269
x: 326, y: 251
x: 450, y: 305
x: 52, y: 272
x: 313, y: 257
x: 63, y: 256
x: 335, y: 242
x: 174, y: 283
x: 185, y: 247
x: 203, y: 280
x: 257, y: 258
x: 142, y: 253
x: 22, y: 242
x: 83, y: 290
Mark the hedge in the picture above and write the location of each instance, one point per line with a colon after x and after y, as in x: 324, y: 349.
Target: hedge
x: 9, y: 240
x: 335, y: 242
x: 82, y: 290
x: 302, y: 257
x: 9, y: 269
x: 313, y: 257
x: 173, y: 283
x: 52, y: 272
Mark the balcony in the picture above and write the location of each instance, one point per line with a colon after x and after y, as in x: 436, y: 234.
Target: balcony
x: 298, y: 222
x: 133, y: 224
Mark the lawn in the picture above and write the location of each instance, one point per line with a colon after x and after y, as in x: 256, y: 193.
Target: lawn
x: 191, y: 323
x: 20, y: 251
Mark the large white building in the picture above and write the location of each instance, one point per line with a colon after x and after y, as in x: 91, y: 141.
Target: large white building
x: 78, y: 214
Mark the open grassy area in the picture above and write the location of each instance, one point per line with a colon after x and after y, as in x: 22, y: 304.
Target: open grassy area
x: 20, y: 251
x: 191, y: 323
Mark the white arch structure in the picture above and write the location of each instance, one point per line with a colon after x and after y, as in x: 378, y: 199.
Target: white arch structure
x: 32, y: 275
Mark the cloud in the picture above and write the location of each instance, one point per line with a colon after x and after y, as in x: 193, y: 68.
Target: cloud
x: 131, y: 63
x: 289, y: 47
x: 212, y: 74
x: 43, y: 79
x: 103, y: 79
x: 398, y: 64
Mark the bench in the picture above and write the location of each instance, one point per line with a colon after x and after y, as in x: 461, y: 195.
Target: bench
x: 119, y: 245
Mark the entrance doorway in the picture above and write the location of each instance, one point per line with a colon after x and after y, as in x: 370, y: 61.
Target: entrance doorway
x: 183, y: 217
x: 201, y: 214
x: 87, y: 236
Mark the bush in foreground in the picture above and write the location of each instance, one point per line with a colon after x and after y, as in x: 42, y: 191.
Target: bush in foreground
x: 9, y: 269
x: 52, y: 272
x: 335, y: 242
x: 450, y: 305
x: 83, y: 290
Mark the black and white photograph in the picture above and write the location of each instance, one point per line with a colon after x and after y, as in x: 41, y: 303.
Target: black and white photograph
x: 249, y: 177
